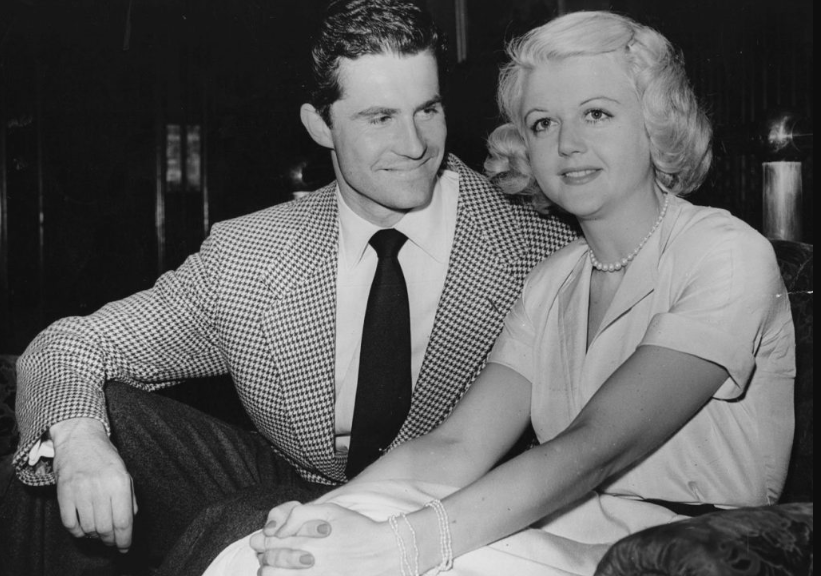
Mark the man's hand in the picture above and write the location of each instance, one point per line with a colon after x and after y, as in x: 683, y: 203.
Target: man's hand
x: 93, y: 487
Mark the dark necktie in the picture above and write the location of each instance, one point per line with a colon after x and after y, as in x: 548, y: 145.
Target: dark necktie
x: 383, y: 392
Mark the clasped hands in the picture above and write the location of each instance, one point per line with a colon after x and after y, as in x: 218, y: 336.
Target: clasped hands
x: 323, y: 539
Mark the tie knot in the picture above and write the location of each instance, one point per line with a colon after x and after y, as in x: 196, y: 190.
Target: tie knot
x: 387, y: 243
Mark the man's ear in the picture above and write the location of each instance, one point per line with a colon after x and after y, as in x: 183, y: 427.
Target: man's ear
x: 316, y: 126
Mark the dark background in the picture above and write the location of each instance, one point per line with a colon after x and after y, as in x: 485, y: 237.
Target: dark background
x: 88, y: 87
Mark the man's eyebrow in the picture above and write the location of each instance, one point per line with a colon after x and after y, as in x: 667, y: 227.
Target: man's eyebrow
x: 435, y: 101
x: 375, y: 111
x: 384, y: 111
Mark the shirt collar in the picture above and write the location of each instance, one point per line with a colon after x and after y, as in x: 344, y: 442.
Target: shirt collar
x: 431, y: 228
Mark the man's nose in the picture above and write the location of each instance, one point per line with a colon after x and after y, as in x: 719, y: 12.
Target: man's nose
x: 410, y: 140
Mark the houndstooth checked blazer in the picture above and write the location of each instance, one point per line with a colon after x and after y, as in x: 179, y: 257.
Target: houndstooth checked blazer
x: 259, y: 301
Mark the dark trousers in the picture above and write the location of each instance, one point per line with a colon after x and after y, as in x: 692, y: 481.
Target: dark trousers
x: 200, y: 484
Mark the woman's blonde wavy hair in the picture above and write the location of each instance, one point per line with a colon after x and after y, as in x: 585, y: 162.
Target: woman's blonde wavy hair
x: 678, y: 128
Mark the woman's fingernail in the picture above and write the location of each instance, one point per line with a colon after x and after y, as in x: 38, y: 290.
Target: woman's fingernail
x: 324, y: 529
x: 306, y: 560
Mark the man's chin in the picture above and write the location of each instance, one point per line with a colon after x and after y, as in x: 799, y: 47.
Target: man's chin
x: 413, y: 198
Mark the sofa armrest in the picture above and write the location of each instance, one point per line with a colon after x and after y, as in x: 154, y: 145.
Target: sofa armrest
x: 766, y: 540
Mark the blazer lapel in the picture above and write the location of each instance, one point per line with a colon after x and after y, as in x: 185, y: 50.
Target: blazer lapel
x: 300, y: 328
x: 479, y: 287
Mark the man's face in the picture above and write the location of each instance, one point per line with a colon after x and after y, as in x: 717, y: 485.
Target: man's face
x: 388, y: 134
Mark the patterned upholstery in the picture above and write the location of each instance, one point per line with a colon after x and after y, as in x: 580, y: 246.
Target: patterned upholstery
x: 767, y: 540
x: 795, y: 260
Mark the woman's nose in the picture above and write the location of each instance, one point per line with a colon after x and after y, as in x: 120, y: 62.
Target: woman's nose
x: 571, y: 141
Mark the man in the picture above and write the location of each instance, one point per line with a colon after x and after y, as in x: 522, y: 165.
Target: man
x: 280, y: 300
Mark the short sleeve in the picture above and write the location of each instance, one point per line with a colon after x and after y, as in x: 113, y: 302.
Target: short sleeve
x: 729, y: 291
x: 514, y: 346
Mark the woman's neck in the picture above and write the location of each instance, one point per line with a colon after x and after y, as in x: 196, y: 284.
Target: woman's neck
x: 616, y: 235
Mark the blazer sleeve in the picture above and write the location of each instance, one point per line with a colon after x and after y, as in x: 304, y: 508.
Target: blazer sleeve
x: 149, y: 340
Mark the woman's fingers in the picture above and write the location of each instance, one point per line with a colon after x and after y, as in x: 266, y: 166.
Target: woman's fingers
x: 308, y: 520
x: 277, y: 517
x: 286, y: 558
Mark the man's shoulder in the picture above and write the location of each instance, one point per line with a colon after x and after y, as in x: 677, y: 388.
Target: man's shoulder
x: 509, y: 222
x: 478, y: 192
x: 308, y: 214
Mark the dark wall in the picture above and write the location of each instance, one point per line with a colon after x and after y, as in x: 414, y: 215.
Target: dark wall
x: 87, y: 88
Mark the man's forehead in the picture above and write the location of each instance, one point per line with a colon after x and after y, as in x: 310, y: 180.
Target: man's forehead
x: 367, y: 64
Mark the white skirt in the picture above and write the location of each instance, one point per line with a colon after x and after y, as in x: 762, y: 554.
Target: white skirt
x: 568, y: 543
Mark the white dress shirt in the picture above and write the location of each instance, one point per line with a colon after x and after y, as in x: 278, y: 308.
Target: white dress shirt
x: 424, y: 260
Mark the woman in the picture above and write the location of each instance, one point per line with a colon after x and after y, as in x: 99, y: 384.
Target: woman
x: 654, y: 357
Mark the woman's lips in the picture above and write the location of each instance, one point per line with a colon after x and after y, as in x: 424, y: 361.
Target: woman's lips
x: 580, y: 176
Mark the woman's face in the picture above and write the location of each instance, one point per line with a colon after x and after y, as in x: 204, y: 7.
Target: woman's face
x: 585, y: 136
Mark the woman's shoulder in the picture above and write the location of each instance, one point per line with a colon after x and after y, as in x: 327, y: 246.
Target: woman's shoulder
x: 701, y: 232
x: 705, y: 225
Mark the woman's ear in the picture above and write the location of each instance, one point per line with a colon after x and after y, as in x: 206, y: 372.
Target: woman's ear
x: 316, y: 126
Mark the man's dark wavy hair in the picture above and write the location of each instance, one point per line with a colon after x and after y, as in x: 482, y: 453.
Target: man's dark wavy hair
x: 354, y: 28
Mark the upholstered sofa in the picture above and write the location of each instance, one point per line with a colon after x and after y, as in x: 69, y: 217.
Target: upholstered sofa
x: 770, y: 540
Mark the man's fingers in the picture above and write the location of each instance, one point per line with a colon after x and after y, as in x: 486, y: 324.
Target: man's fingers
x: 97, y: 506
x: 134, y: 507
x: 103, y: 524
x: 85, y: 516
x: 122, y: 516
x: 287, y: 558
x: 68, y: 512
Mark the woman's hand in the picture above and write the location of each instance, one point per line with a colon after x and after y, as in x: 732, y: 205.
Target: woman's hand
x: 324, y: 539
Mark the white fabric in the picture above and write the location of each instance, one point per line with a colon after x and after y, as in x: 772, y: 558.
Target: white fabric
x: 568, y: 545
x: 705, y: 284
x: 424, y: 259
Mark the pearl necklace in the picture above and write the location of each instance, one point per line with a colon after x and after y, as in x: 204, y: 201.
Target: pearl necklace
x: 619, y: 264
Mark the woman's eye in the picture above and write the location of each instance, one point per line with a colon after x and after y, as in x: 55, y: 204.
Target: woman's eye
x: 541, y: 125
x: 597, y: 115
